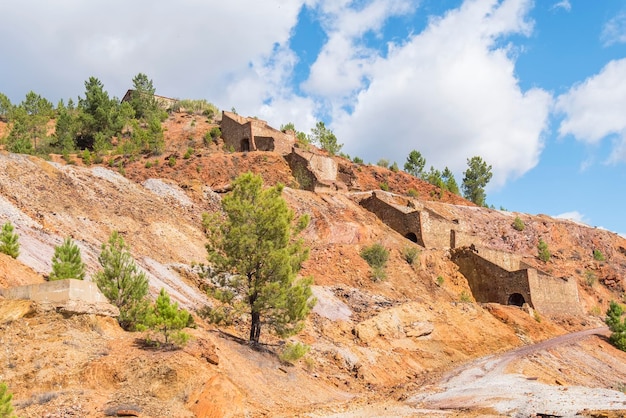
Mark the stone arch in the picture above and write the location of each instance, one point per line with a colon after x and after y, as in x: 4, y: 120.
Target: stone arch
x: 411, y: 236
x: 516, y: 299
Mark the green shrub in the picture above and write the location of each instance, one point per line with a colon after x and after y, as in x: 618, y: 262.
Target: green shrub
x: 590, y: 278
x: 465, y: 297
x: 9, y: 244
x: 86, y: 157
x: 383, y: 163
x: 148, y: 164
x: 188, y: 154
x: 518, y: 224
x: 439, y: 280
x: 543, y: 251
x: 384, y: 186
x: 167, y: 319
x: 598, y: 256
x: 294, y: 352
x: 413, y: 193
x: 376, y: 255
x: 357, y: 160
x: 215, y: 133
x: 410, y: 254
x: 6, y: 408
x: 171, y: 161
x: 394, y: 167
x: 67, y: 262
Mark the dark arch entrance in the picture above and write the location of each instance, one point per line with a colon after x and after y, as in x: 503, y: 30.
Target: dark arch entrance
x: 411, y: 237
x: 516, y: 299
x: 245, y: 145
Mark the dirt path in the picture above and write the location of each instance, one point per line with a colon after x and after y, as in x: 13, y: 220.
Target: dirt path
x: 484, y: 383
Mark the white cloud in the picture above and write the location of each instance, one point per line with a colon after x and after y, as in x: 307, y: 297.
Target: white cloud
x: 451, y: 93
x: 563, y: 4
x: 614, y: 31
x: 573, y: 216
x: 593, y: 109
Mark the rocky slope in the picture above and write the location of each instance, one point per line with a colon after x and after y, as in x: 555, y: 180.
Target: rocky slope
x: 372, y: 342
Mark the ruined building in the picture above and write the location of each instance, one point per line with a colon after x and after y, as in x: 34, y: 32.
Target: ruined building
x: 493, y: 276
x: 242, y: 134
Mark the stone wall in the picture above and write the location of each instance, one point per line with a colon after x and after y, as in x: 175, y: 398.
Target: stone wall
x: 314, y: 172
x: 404, y: 220
x: 75, y: 296
x: 553, y: 295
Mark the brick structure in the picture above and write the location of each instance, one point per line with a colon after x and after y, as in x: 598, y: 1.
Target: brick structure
x: 314, y: 172
x: 249, y: 134
x: 493, y: 276
x: 163, y: 102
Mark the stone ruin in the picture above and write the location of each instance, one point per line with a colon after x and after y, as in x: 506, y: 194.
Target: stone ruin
x: 241, y: 134
x: 493, y: 276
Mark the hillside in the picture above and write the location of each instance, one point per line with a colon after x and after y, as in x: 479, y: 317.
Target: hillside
x: 374, y: 344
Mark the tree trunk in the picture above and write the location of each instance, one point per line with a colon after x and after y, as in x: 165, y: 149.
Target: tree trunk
x: 255, y: 328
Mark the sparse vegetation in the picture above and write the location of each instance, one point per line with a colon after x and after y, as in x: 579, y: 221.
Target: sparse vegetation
x: 188, y: 154
x: 440, y: 280
x: 376, y: 256
x: 543, y: 251
x: 590, y: 278
x: 410, y: 254
x: 384, y: 163
x: 121, y: 281
x: 256, y: 245
x: 294, y: 352
x: 617, y: 325
x: 413, y: 193
x: 357, y: 160
x: 384, y: 186
x: 465, y: 297
x: 67, y: 262
x: 9, y: 244
x: 171, y: 161
x: 598, y: 256
x: 394, y: 167
x: 518, y: 224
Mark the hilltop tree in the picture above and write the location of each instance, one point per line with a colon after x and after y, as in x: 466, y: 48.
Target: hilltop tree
x: 67, y: 262
x: 142, y: 99
x: 5, y: 107
x: 325, y: 138
x: 66, y: 128
x: 414, y: 164
x: 6, y: 408
x: 256, y: 245
x: 617, y: 325
x: 121, y: 281
x: 9, y: 244
x: 448, y: 178
x: 97, y: 113
x: 477, y: 175
x: 168, y: 319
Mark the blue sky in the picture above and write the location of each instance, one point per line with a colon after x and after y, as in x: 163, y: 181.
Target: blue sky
x: 537, y: 89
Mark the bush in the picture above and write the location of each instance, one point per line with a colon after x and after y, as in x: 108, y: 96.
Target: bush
x: 9, y: 244
x: 465, y: 297
x: 86, y: 157
x: 410, y: 254
x: 215, y: 133
x: 440, y: 280
x: 394, y: 167
x: 590, y: 278
x: 384, y: 186
x: 188, y: 154
x: 294, y: 352
x: 383, y: 163
x: 413, y: 193
x: 376, y: 255
x: 543, y: 251
x: 168, y: 319
x: 6, y: 408
x: 598, y: 256
x: 357, y: 160
x: 518, y: 224
x: 171, y: 161
x: 66, y: 262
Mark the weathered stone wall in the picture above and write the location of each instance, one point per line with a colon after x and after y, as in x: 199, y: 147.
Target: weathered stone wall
x: 235, y: 129
x: 249, y: 134
x: 405, y: 221
x: 282, y: 143
x: 437, y: 231
x: 490, y: 282
x: 314, y: 172
x: 552, y: 295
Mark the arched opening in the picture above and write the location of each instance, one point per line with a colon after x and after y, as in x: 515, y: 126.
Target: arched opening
x: 245, y: 145
x: 516, y: 299
x: 411, y: 237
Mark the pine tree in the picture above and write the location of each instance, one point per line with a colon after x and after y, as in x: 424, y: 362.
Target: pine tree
x: 414, y: 164
x: 121, y: 281
x: 325, y: 138
x: 6, y: 408
x: 617, y: 325
x: 66, y: 262
x: 477, y: 175
x: 9, y: 244
x: 168, y: 319
x: 256, y: 242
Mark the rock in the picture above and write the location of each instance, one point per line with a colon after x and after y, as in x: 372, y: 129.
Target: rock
x: 205, y: 349
x: 419, y: 329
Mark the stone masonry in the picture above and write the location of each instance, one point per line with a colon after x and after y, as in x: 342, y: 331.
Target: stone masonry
x: 242, y: 134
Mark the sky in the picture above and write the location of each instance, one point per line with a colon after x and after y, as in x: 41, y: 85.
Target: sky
x: 536, y: 89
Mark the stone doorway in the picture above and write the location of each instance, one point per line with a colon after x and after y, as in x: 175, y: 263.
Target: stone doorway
x: 516, y: 299
x: 411, y: 237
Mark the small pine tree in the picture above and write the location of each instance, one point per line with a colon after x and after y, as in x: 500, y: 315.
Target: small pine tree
x: 121, y: 282
x: 168, y: 319
x: 518, y: 224
x: 9, y: 241
x: 544, y: 252
x: 66, y: 262
x: 6, y: 408
x: 376, y: 256
x: 617, y: 325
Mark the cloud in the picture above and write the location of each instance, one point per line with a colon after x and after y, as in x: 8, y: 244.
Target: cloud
x: 190, y: 49
x: 564, y: 5
x: 573, y: 216
x: 451, y: 93
x: 593, y: 109
x: 614, y: 31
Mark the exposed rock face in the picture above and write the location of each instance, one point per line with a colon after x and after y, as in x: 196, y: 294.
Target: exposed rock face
x: 408, y: 320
